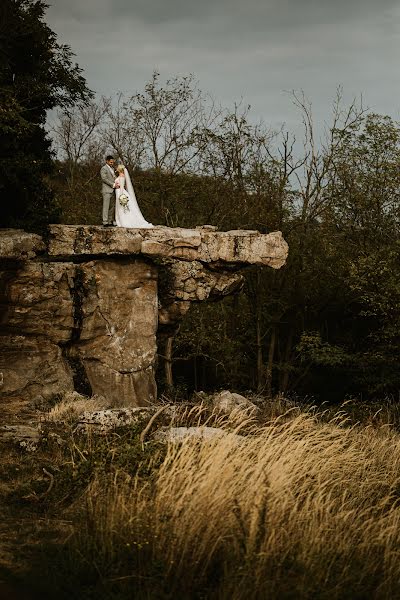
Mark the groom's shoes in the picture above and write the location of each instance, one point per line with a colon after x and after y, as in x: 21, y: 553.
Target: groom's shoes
x: 108, y: 225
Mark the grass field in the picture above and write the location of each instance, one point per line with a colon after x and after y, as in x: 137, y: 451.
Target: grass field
x: 296, y: 504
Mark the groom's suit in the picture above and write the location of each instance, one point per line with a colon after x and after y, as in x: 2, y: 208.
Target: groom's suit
x: 108, y: 191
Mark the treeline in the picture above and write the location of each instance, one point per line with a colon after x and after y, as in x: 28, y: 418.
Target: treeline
x: 328, y: 323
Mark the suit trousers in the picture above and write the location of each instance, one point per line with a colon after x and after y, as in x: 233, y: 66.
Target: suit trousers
x: 108, y: 207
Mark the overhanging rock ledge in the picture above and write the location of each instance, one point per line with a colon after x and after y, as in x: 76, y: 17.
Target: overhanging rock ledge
x: 84, y: 307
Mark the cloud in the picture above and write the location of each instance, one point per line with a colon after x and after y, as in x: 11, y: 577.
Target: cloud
x: 268, y: 15
x: 252, y: 49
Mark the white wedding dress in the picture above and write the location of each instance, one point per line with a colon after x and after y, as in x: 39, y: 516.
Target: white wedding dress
x: 130, y: 215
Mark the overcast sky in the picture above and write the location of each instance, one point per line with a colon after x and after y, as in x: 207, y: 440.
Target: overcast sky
x: 250, y: 49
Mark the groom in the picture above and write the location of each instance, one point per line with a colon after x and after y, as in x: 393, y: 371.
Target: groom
x: 107, y: 175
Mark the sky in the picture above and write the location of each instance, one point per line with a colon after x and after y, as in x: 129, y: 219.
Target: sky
x: 255, y: 50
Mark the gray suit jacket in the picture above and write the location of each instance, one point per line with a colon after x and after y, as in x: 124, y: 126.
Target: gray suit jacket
x: 107, y: 179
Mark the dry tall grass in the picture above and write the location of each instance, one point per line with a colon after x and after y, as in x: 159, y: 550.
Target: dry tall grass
x: 298, y: 508
x: 72, y: 405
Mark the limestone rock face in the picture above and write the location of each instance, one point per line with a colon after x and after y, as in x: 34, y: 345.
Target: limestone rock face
x: 103, y: 313
x: 17, y: 244
x: 36, y: 298
x: 204, y: 245
x: 32, y: 367
x: 117, y: 331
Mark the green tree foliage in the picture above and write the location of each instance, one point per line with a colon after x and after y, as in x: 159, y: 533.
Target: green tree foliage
x: 36, y: 75
x: 367, y: 213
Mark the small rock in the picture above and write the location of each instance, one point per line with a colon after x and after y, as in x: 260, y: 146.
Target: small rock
x: 179, y: 434
x: 208, y: 227
x: 227, y: 402
x: 103, y: 421
x: 25, y: 436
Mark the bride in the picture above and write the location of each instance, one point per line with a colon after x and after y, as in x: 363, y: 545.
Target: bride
x: 127, y: 211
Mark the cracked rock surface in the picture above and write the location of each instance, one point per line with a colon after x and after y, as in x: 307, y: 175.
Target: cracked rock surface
x: 117, y: 338
x: 202, y: 244
x: 17, y: 244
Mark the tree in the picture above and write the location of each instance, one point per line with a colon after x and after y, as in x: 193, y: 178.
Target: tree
x: 169, y: 121
x: 161, y: 129
x: 76, y: 133
x: 36, y: 75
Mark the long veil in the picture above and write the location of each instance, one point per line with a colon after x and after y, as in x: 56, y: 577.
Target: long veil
x: 138, y: 219
x: 130, y: 190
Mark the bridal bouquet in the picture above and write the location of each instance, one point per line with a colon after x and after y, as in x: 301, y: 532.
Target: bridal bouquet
x: 124, y: 201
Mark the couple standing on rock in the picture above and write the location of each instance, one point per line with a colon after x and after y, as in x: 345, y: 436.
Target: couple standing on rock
x: 120, y: 207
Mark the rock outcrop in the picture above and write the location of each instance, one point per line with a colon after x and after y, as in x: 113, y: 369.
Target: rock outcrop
x: 84, y: 309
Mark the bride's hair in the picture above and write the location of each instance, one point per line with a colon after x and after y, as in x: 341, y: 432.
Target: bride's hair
x: 120, y: 168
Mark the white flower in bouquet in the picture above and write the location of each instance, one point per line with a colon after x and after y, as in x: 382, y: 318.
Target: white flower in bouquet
x: 124, y: 201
